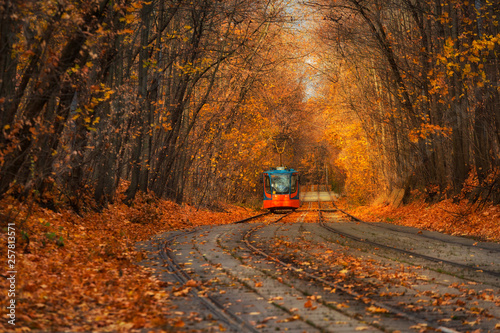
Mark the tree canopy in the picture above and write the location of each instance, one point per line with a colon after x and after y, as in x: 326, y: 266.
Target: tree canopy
x: 185, y: 99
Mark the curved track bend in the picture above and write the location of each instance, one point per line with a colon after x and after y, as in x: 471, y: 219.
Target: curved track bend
x: 315, y: 271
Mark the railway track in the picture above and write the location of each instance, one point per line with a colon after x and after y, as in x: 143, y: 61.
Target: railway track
x: 423, y: 233
x: 469, y: 271
x: 421, y: 320
x: 309, y: 271
x: 231, y: 320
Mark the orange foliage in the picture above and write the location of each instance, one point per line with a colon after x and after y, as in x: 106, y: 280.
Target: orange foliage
x: 78, y: 273
x: 357, y: 156
x: 460, y: 219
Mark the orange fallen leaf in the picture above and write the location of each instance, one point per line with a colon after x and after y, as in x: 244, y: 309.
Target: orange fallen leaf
x: 192, y: 283
x: 375, y: 309
x: 265, y: 320
x: 182, y: 292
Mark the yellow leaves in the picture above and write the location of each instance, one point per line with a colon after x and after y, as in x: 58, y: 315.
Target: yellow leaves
x: 355, y: 157
x: 467, y: 69
x: 342, y: 306
x: 444, y: 18
x: 449, y: 48
x: 362, y: 328
x: 192, y: 283
x: 473, y: 59
x: 107, y: 93
x: 125, y: 32
x: 166, y: 127
x: 181, y: 292
x: 374, y: 309
x: 292, y: 318
x: 190, y: 68
x: 137, y: 4
x: 426, y: 130
x: 420, y: 327
x: 466, y: 60
x: 265, y: 320
x: 129, y: 18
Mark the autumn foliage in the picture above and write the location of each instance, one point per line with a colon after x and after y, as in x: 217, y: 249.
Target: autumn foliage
x: 410, y: 93
x: 459, y: 219
x: 116, y: 114
x: 164, y: 95
x: 81, y: 273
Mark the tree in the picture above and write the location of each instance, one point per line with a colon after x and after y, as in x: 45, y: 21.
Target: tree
x: 418, y: 62
x: 101, y: 92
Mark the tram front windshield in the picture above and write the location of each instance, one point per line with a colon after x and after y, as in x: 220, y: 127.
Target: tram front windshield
x: 280, y: 184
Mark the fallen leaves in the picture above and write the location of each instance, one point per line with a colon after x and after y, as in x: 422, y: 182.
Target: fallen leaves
x: 375, y: 309
x: 459, y: 218
x: 265, y: 320
x: 308, y: 304
x: 179, y: 323
x: 192, y: 283
x: 180, y: 292
x: 289, y: 319
x: 79, y: 273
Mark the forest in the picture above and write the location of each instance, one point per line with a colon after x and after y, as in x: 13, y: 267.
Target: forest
x: 418, y: 81
x: 113, y: 105
x: 186, y: 99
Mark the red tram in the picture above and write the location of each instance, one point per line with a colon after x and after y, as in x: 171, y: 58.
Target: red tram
x: 281, y: 189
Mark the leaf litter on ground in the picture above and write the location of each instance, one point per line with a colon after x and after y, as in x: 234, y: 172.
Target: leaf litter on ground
x: 79, y: 273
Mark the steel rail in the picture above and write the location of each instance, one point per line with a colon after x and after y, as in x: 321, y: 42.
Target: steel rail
x: 407, y: 252
x: 355, y: 295
x: 410, y: 253
x: 404, y: 231
x: 232, y: 320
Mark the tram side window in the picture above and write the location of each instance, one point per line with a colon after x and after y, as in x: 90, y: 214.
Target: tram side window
x: 267, y: 184
x: 295, y: 181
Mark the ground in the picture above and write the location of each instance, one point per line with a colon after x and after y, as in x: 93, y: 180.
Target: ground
x: 79, y: 273
x: 459, y: 219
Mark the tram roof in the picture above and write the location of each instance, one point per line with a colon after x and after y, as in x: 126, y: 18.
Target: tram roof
x: 280, y: 170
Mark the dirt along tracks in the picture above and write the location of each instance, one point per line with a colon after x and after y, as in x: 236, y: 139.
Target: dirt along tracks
x: 315, y: 271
